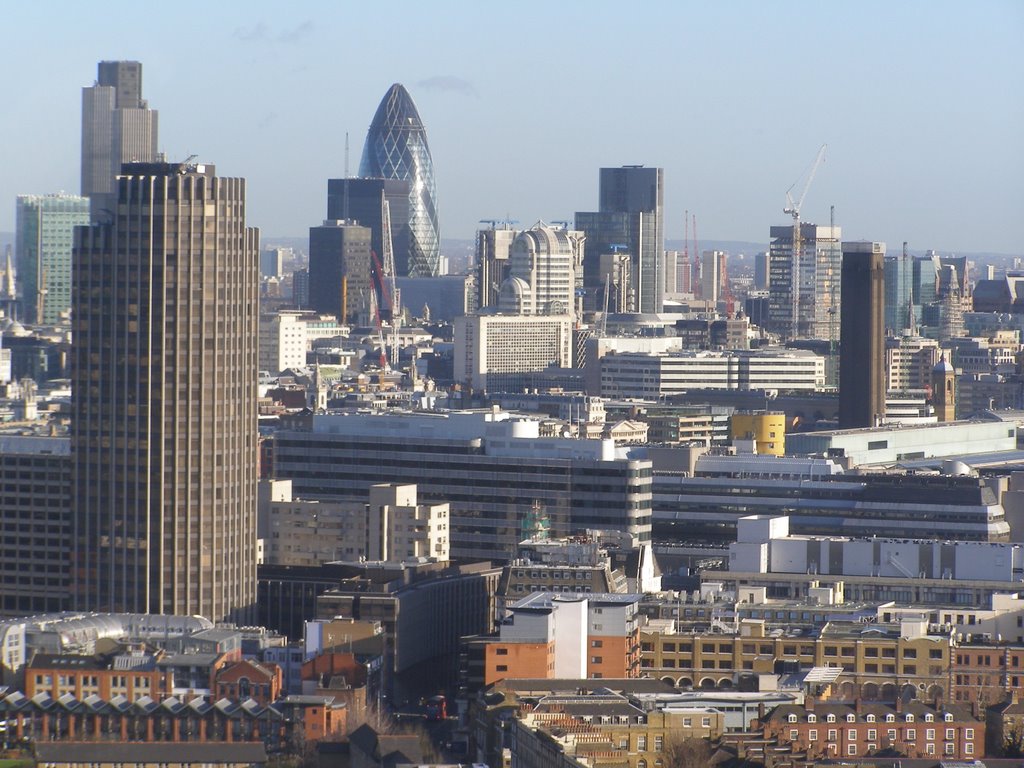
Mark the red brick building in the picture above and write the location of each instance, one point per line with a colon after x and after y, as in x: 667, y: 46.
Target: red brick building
x: 987, y: 672
x: 249, y: 680
x: 839, y: 731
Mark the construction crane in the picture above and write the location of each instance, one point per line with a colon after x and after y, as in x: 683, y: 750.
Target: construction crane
x: 389, y: 274
x: 505, y: 223
x: 793, y: 209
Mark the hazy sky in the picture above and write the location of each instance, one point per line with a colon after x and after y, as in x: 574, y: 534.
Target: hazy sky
x: 921, y: 105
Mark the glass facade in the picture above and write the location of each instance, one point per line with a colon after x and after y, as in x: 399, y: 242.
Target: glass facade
x: 43, y: 242
x: 396, y: 148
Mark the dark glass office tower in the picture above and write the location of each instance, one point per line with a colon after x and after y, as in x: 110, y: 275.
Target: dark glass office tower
x: 396, y: 148
x: 164, y: 372
x: 862, y: 336
x: 340, y: 270
x: 360, y: 200
x: 630, y: 219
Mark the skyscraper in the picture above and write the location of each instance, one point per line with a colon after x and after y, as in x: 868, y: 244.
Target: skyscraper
x: 396, y: 148
x: 164, y: 375
x: 117, y: 127
x: 362, y: 201
x: 899, y: 303
x: 340, y: 270
x: 630, y: 216
x: 493, y: 246
x: 44, y: 234
x: 862, y: 340
x: 804, y: 291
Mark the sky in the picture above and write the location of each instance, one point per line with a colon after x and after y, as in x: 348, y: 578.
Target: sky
x: 921, y: 105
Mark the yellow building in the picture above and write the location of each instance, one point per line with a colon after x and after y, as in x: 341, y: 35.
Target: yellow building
x: 766, y: 428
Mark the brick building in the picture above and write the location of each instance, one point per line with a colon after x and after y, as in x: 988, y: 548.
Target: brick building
x: 838, y: 731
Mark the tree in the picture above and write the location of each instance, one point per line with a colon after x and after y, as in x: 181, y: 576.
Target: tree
x: 680, y: 752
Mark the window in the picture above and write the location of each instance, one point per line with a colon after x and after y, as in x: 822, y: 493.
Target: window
x: 502, y: 668
x: 968, y: 749
x: 812, y: 718
x: 851, y: 718
x: 792, y: 718
x: 794, y: 734
x: 950, y: 734
x: 641, y: 743
x: 870, y: 719
x: 812, y: 735
x: 929, y: 749
x: 950, y: 748
x: 969, y: 734
x: 890, y: 718
x: 833, y: 734
x: 851, y: 749
x: 872, y: 734
x: 911, y: 734
x: 659, y: 743
x: 891, y: 734
x: 501, y: 651
x: 851, y: 734
x: 596, y: 659
x: 597, y: 643
x: 705, y: 722
x: 930, y: 734
x: 830, y: 718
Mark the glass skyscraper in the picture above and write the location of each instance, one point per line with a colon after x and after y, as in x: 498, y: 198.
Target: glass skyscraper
x: 43, y: 240
x: 396, y: 148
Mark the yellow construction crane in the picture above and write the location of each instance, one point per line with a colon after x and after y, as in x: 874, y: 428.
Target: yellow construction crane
x: 793, y: 209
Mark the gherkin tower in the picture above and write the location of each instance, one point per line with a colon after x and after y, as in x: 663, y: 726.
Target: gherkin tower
x: 396, y: 148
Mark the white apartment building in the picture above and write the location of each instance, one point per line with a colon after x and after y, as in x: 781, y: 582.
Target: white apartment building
x: 283, y: 341
x: 391, y: 527
x: 650, y: 376
x: 498, y: 352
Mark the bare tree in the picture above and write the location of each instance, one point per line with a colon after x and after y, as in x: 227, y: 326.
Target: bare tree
x: 680, y: 752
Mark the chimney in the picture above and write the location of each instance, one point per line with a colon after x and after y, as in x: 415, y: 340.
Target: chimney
x: 899, y: 704
x: 858, y: 706
x: 809, y: 702
x: 760, y: 712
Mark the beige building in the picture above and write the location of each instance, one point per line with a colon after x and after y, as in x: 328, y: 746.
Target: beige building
x: 391, y: 526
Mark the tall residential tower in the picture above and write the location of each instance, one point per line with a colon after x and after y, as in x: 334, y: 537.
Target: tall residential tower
x: 164, y: 378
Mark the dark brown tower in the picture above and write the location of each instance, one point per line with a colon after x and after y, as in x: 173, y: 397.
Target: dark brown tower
x: 164, y: 374
x: 862, y: 336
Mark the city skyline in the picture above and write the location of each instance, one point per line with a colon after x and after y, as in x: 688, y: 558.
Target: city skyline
x: 920, y: 121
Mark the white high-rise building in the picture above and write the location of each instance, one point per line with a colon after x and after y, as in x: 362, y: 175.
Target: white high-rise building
x: 712, y: 275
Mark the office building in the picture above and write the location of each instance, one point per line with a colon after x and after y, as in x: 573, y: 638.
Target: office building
x: 804, y: 288
x: 44, y: 235
x: 493, y: 246
x: 283, y: 341
x: 392, y: 526
x: 35, y: 485
x: 300, y: 288
x: 494, y: 470
x: 361, y: 201
x: 117, y: 127
x: 900, y: 312
x: 499, y: 352
x: 340, y: 270
x: 629, y: 219
x: 713, y: 276
x: 909, y: 361
x: 653, y: 376
x: 862, y: 347
x: 542, y: 266
x: 272, y: 261
x: 396, y: 148
x: 164, y: 398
